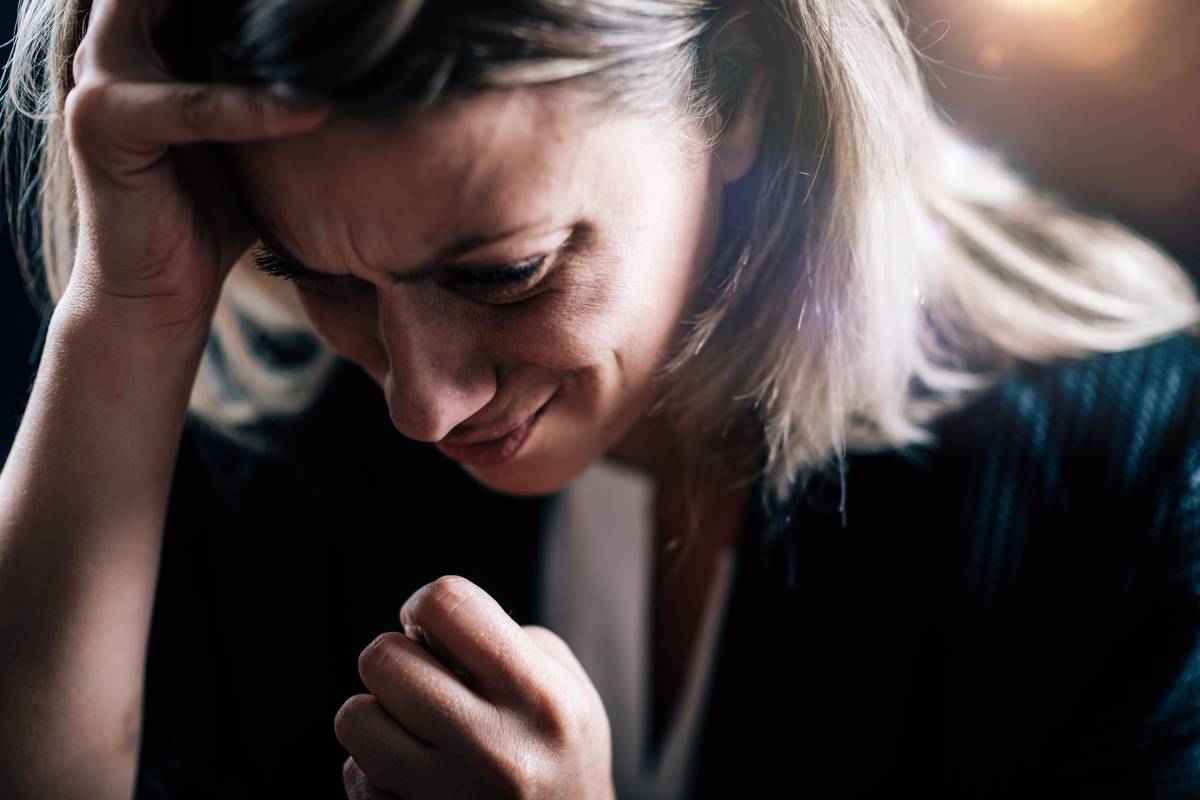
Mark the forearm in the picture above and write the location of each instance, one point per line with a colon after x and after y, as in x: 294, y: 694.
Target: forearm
x: 82, y: 503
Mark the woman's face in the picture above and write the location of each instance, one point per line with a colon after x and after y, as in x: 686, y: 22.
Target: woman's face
x: 511, y: 268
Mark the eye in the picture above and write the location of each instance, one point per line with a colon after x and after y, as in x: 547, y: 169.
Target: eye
x: 267, y: 261
x: 499, y: 285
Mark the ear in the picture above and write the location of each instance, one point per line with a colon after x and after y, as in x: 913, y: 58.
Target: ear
x: 743, y: 88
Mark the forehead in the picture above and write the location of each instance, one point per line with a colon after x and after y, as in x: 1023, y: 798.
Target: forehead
x: 491, y: 161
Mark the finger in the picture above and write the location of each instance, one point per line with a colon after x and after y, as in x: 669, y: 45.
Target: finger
x: 553, y: 645
x: 469, y: 630
x: 389, y: 756
x: 420, y: 693
x: 153, y: 115
x: 118, y: 32
x: 358, y: 786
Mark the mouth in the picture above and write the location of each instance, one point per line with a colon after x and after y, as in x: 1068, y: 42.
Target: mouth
x: 495, y: 451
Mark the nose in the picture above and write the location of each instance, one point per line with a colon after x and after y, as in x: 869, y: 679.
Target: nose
x: 438, y: 374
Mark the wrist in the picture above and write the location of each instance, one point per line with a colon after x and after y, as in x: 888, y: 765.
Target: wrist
x: 139, y: 328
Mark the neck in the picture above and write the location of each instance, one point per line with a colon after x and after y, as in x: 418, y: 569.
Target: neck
x: 700, y: 483
x: 667, y: 453
x: 651, y: 447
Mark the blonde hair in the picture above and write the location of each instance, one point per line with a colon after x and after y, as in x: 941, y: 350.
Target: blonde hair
x: 876, y: 268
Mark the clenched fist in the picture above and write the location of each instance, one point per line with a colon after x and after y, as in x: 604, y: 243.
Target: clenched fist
x: 466, y: 703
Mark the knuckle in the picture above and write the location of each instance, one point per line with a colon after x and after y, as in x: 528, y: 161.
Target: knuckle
x: 84, y: 108
x: 540, y: 632
x: 197, y: 106
x: 447, y: 592
x: 546, y: 639
x: 85, y: 102
x: 437, y: 598
x: 551, y: 717
x: 351, y: 715
x: 448, y: 588
x: 381, y: 655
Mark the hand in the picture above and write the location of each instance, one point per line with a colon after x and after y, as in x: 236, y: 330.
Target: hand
x: 158, y: 227
x: 466, y: 703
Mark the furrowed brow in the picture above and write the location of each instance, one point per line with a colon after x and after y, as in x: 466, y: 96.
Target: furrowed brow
x: 292, y: 267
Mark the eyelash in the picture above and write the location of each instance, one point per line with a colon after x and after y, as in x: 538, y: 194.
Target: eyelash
x: 497, y: 284
x: 503, y: 282
x: 269, y: 263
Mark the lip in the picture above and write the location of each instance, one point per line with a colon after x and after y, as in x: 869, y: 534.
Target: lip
x: 494, y: 451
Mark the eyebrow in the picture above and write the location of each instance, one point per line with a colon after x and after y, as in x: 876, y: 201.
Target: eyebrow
x: 294, y: 268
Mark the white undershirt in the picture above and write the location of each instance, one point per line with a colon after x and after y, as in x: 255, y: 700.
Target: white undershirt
x: 595, y: 592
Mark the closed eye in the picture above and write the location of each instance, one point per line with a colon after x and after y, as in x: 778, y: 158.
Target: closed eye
x: 271, y: 263
x: 498, y: 283
x: 495, y: 284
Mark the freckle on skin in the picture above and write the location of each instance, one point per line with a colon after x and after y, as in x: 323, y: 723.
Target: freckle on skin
x: 596, y: 328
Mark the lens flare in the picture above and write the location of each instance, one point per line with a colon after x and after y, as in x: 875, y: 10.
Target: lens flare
x: 1066, y: 8
x: 1085, y: 34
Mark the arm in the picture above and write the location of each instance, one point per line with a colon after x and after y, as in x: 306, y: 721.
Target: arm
x: 82, y: 501
x: 84, y: 491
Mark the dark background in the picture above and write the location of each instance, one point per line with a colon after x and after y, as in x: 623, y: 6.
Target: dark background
x: 1096, y: 99
x: 19, y: 325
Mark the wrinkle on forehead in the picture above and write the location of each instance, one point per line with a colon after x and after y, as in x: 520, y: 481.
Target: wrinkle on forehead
x: 387, y: 194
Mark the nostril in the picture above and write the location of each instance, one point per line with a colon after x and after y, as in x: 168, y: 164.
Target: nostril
x: 428, y: 413
x: 416, y: 422
x: 438, y: 374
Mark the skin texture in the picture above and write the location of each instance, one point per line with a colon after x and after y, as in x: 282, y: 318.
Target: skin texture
x: 466, y: 703
x: 625, y: 210
x: 624, y: 205
x: 83, y: 495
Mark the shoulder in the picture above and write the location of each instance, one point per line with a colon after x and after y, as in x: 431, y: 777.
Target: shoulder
x: 1134, y: 398
x: 1079, y: 506
x: 1079, y: 477
x: 1107, y: 427
x: 1088, y: 454
x: 1061, y: 440
x: 1047, y: 549
x: 1125, y: 423
x: 1106, y: 448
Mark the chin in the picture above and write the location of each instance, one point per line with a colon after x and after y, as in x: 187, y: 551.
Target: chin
x: 554, y: 454
x: 534, y: 478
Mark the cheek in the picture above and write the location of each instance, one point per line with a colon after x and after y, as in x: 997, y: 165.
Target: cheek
x: 348, y: 326
x: 562, y: 330
x: 604, y: 327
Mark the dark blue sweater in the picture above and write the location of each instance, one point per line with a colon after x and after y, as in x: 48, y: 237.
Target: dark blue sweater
x: 1015, y: 611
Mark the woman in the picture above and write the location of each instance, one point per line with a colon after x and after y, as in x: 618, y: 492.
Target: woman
x: 722, y: 338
